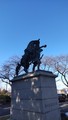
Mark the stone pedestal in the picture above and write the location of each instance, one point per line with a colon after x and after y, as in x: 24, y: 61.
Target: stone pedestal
x: 34, y: 97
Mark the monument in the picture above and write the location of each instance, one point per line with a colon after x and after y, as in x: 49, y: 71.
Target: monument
x: 34, y: 94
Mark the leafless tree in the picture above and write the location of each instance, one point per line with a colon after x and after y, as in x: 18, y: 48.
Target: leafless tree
x: 7, y: 70
x: 58, y: 65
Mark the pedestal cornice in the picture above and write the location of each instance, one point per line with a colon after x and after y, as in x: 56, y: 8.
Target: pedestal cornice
x: 34, y: 74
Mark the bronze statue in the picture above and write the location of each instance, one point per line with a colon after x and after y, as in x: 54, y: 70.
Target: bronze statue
x: 31, y: 56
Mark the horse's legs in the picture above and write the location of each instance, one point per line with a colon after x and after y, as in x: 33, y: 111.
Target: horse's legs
x: 34, y: 65
x: 17, y: 69
x: 26, y: 66
x: 33, y: 68
x: 25, y: 70
x: 39, y: 62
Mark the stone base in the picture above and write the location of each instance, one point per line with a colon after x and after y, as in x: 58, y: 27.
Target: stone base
x: 34, y: 97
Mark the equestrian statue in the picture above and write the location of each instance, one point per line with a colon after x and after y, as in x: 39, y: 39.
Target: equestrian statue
x: 32, y: 55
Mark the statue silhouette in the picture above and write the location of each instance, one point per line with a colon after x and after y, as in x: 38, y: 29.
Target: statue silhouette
x: 31, y: 56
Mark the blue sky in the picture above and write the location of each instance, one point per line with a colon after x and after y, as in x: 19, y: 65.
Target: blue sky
x: 24, y: 20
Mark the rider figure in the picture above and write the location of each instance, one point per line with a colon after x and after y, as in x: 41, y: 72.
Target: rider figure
x: 32, y: 47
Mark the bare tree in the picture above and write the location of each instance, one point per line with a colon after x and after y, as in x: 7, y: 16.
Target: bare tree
x: 58, y: 65
x: 7, y: 70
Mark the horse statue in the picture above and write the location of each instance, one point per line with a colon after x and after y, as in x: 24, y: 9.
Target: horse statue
x: 31, y: 56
